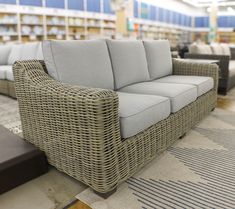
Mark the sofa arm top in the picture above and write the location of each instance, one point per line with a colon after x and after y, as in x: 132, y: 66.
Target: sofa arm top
x: 181, y: 67
x: 207, y: 56
x: 35, y: 73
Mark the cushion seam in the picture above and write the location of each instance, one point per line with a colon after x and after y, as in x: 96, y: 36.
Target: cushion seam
x: 145, y: 109
x: 54, y: 61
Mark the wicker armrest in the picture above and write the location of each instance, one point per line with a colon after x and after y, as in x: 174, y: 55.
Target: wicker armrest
x: 223, y: 62
x: 181, y: 67
x: 77, y: 127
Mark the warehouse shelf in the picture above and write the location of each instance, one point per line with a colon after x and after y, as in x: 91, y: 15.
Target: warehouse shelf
x: 29, y: 23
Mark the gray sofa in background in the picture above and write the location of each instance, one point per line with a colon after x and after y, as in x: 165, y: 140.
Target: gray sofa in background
x: 10, y: 54
x: 222, y: 53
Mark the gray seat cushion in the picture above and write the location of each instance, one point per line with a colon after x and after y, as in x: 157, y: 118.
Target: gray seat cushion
x: 129, y: 62
x: 9, y: 74
x: 179, y: 94
x: 3, y: 71
x: 84, y: 63
x: 138, y: 112
x: 203, y: 84
x: 4, y: 52
x: 159, y: 58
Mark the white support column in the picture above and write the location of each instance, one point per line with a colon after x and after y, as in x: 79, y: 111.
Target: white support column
x: 66, y: 21
x: 18, y: 23
x: 44, y: 21
x: 85, y: 19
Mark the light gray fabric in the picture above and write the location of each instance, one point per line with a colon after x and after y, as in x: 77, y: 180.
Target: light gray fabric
x: 159, y: 59
x: 200, y: 49
x: 29, y: 51
x: 4, y: 54
x: 3, y: 71
x: 217, y: 49
x: 84, y: 63
x: 129, y: 62
x: 15, y: 54
x: 179, y: 94
x: 39, y: 55
x: 203, y: 84
x: 9, y: 73
x: 226, y: 49
x: 232, y: 65
x: 231, y: 81
x: 138, y: 112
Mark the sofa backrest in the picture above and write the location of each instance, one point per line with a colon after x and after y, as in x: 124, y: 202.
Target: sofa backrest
x: 26, y: 51
x: 129, y: 62
x: 217, y: 49
x: 226, y: 49
x: 159, y: 58
x: 200, y: 49
x: 84, y: 63
x: 4, y: 54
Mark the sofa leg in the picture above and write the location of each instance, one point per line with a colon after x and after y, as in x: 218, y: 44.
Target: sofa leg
x: 213, y: 109
x: 107, y: 194
x: 181, y: 137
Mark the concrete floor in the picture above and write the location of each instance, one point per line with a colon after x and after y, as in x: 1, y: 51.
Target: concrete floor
x: 53, y: 190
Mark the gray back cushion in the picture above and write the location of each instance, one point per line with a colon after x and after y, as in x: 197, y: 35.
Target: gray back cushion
x: 129, y: 62
x: 4, y: 52
x: 26, y: 51
x: 84, y: 63
x: 29, y: 51
x: 14, y: 54
x: 159, y: 58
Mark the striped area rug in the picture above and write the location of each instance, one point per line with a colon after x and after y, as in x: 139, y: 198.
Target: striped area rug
x: 198, y: 171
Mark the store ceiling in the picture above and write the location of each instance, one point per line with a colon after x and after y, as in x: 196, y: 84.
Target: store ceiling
x: 206, y: 3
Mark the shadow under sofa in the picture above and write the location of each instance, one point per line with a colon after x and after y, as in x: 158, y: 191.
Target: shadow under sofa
x: 79, y: 128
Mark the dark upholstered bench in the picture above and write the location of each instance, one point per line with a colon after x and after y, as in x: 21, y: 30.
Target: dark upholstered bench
x: 20, y: 161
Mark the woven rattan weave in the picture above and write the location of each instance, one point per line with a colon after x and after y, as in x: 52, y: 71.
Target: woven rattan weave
x: 79, y: 130
x: 7, y: 88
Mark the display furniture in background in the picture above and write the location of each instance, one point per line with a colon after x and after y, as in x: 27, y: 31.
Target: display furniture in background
x: 221, y: 52
x: 99, y: 130
x: 10, y: 54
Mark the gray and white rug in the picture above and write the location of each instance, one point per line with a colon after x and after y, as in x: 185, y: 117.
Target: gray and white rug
x: 198, y: 171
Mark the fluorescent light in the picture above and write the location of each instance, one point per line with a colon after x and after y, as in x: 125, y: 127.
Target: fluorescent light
x: 207, y: 3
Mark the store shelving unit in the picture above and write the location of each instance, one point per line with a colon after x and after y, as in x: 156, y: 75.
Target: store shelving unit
x: 23, y: 23
x: 31, y: 27
x: 9, y: 29
x: 146, y: 29
x: 153, y: 22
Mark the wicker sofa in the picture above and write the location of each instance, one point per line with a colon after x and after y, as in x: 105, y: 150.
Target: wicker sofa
x: 107, y: 113
x: 219, y: 52
x: 8, y: 55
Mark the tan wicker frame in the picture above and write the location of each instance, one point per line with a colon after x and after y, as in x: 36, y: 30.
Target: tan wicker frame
x: 7, y: 88
x: 79, y: 130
